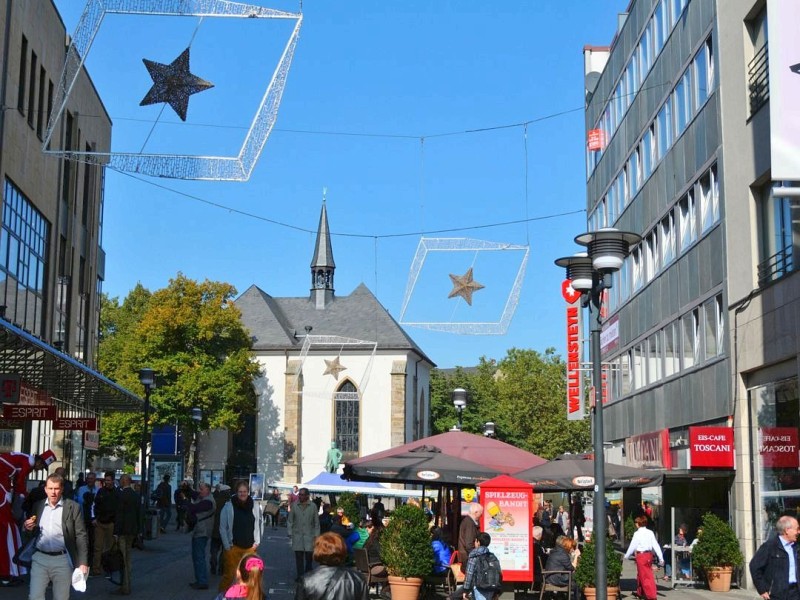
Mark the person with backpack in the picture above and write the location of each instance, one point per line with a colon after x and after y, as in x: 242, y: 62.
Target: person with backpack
x: 484, y: 579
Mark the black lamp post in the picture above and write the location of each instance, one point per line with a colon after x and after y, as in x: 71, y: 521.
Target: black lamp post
x: 147, y: 378
x: 197, y: 416
x: 459, y: 396
x: 590, y: 274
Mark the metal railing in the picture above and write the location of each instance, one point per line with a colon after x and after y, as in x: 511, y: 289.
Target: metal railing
x: 776, y: 266
x: 758, y: 79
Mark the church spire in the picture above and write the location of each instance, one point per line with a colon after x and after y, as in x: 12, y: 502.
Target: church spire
x: 322, y: 265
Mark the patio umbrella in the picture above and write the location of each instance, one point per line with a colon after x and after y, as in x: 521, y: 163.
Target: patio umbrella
x: 574, y: 472
x: 423, y: 464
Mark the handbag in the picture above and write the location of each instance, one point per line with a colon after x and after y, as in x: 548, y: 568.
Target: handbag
x: 112, y: 561
x: 24, y: 556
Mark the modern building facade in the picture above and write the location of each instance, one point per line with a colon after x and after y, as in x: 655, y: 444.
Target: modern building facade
x: 702, y: 326
x: 337, y: 369
x: 51, y: 257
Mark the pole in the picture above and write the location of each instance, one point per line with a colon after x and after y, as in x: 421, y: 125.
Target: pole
x: 599, y: 513
x: 144, y: 467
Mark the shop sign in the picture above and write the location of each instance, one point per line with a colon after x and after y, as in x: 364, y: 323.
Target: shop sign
x: 609, y: 337
x: 91, y: 440
x: 75, y: 423
x: 575, y: 395
x: 9, y: 424
x: 711, y: 447
x: 9, y: 388
x: 508, y: 510
x: 596, y: 139
x: 778, y: 447
x: 29, y: 412
x: 649, y: 450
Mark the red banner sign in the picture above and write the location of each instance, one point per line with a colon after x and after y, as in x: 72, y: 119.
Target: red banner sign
x: 711, y: 447
x: 575, y: 398
x: 649, y: 450
x: 9, y: 388
x: 75, y: 423
x: 29, y: 412
x: 778, y: 447
x: 596, y: 139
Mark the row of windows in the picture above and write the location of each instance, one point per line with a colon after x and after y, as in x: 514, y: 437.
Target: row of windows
x: 35, y: 106
x: 695, y: 213
x: 651, y: 42
x: 694, y: 338
x: 680, y: 107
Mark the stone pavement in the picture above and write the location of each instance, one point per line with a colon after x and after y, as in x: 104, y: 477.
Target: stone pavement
x: 163, y: 571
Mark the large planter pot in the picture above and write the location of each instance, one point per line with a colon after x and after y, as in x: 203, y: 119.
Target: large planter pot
x: 719, y: 578
x: 404, y: 588
x: 611, y: 592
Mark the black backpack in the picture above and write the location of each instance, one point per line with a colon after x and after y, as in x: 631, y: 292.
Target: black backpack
x: 488, y: 573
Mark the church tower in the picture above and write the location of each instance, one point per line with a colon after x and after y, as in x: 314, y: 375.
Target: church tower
x: 322, y: 265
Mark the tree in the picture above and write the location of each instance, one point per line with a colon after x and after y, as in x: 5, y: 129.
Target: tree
x: 190, y: 334
x: 524, y: 395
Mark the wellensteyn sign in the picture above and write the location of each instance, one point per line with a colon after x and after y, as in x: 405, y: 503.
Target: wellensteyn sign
x: 575, y: 396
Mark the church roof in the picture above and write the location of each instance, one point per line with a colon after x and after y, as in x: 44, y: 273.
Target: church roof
x: 280, y: 323
x: 323, y: 251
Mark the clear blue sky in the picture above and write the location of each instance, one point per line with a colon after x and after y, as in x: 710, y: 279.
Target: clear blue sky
x: 399, y: 71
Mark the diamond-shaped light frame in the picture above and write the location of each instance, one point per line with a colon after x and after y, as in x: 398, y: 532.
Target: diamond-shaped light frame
x: 216, y: 168
x: 469, y: 245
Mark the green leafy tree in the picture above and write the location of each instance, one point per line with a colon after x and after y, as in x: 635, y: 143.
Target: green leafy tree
x: 190, y: 334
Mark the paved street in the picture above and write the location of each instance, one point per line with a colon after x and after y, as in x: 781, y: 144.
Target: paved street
x: 163, y: 571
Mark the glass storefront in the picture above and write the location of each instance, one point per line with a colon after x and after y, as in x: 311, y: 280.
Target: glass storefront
x: 775, y: 418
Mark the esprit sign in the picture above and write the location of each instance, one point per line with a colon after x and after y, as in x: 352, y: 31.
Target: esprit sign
x: 29, y: 412
x: 75, y: 423
x: 711, y: 447
x: 649, y: 450
x: 778, y: 447
x: 575, y: 402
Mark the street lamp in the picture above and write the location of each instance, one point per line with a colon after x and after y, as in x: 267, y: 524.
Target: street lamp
x: 590, y: 274
x: 197, y: 416
x: 459, y: 396
x: 147, y: 378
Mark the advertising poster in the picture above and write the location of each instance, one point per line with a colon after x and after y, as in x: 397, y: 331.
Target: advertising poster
x: 507, y: 517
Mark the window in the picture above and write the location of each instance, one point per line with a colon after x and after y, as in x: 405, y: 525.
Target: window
x: 664, y: 125
x: 702, y: 73
x: 639, y: 367
x: 625, y: 386
x: 624, y: 281
x: 688, y: 221
x: 654, y: 358
x: 638, y: 268
x: 659, y: 27
x: 758, y: 61
x: 720, y: 325
x: 775, y: 234
x: 672, y: 363
x: 49, y: 105
x: 651, y: 255
x: 690, y: 326
x: 23, y: 75
x: 40, y: 106
x: 682, y: 104
x: 709, y: 201
x: 667, y: 232
x: 23, y: 246
x: 710, y: 328
x: 346, y: 403
x: 647, y: 152
x: 633, y: 173
x: 32, y: 90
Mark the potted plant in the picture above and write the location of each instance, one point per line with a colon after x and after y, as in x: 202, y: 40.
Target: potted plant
x: 717, y: 553
x: 406, y: 551
x: 585, y: 573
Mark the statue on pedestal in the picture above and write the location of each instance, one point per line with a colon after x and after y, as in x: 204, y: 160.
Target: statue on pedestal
x: 333, y: 459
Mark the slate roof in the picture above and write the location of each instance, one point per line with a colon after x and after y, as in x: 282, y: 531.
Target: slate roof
x: 273, y: 322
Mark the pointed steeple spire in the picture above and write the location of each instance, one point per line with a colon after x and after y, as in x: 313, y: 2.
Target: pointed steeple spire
x: 322, y: 265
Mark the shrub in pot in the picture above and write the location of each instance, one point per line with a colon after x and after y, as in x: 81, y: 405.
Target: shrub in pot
x: 348, y: 502
x: 717, y: 552
x: 585, y: 573
x: 406, y: 548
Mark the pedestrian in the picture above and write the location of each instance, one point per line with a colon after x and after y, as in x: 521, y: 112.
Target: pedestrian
x: 273, y: 507
x: 576, y: 517
x: 249, y: 577
x: 85, y: 499
x: 332, y: 580
x: 562, y: 518
x: 294, y: 496
x: 61, y: 542
x: 163, y: 498
x: 472, y: 589
x: 643, y: 545
x: 303, y: 528
x: 221, y: 497
x: 774, y: 567
x: 127, y: 525
x: 379, y: 509
x: 201, y: 510
x: 240, y: 531
x: 14, y: 470
x: 183, y: 496
x: 69, y: 491
x: 104, y: 511
x: 467, y: 532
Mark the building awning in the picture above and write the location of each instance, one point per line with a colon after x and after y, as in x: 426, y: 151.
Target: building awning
x: 61, y: 376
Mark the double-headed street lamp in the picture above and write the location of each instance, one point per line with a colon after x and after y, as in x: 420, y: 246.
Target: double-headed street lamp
x: 590, y: 274
x: 459, y: 396
x: 147, y: 378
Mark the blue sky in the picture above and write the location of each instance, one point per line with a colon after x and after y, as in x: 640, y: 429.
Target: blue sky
x: 372, y: 88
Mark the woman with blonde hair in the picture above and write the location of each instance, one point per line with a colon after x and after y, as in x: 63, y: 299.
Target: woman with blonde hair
x: 250, y: 573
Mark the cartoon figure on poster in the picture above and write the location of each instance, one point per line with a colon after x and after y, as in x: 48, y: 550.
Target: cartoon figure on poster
x: 468, y: 496
x: 498, y: 518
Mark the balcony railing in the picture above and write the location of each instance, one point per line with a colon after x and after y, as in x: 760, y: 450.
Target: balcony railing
x: 776, y: 266
x: 758, y: 79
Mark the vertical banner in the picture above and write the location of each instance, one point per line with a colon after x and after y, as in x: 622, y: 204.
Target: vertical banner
x: 507, y: 517
x: 784, y: 88
x: 575, y: 396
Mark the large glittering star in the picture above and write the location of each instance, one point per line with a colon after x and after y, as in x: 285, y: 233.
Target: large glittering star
x: 173, y: 84
x: 333, y: 367
x: 795, y: 68
x: 464, y: 286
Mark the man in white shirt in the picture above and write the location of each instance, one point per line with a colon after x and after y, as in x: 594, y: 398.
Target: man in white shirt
x: 61, y: 533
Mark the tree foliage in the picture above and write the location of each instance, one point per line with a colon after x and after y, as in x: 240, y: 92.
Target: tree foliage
x: 524, y: 395
x: 191, y: 335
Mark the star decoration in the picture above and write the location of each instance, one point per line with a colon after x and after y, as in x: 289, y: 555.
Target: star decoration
x: 464, y: 286
x: 333, y: 367
x: 795, y: 68
x: 173, y: 84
